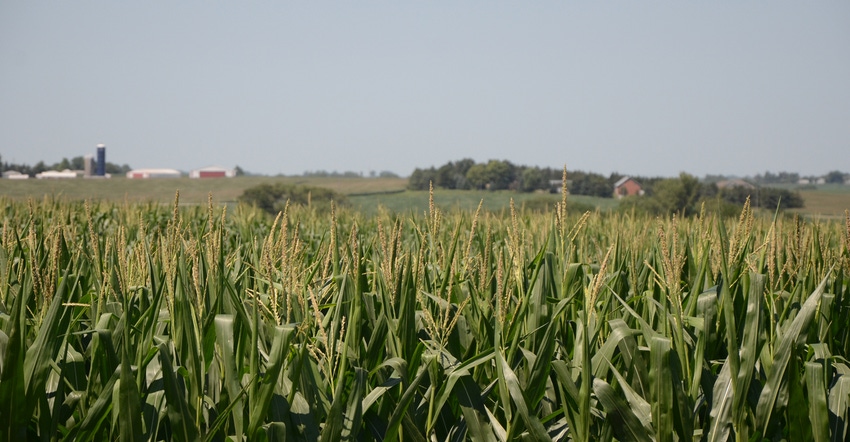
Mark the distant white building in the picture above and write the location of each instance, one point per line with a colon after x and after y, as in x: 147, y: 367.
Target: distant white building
x: 728, y: 184
x: 212, y: 172
x: 14, y: 175
x: 56, y: 175
x: 154, y: 173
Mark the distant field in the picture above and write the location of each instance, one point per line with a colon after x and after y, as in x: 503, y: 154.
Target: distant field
x: 825, y: 200
x: 417, y: 201
x: 192, y: 191
x: 365, y: 194
x: 827, y: 203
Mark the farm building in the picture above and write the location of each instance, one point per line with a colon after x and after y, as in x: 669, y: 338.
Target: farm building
x: 56, y: 175
x: 154, y: 173
x: 728, y: 184
x: 212, y: 172
x: 556, y: 186
x: 627, y: 186
x: 14, y: 175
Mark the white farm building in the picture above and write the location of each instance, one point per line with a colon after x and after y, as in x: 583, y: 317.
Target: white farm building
x: 212, y: 172
x: 56, y: 175
x: 15, y: 175
x: 154, y: 173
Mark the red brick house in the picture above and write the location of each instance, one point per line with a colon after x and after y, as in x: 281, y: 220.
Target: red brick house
x: 627, y: 186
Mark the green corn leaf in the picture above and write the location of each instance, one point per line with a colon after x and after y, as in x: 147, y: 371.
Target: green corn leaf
x: 401, y: 411
x: 511, y: 381
x: 268, y: 383
x: 90, y: 427
x: 720, y: 423
x: 818, y: 409
x: 618, y: 413
x: 226, y: 341
x: 782, y: 356
x: 129, y: 409
x: 47, y: 343
x: 661, y: 379
x: 839, y: 403
x: 354, y: 409
x: 180, y: 410
x: 639, y: 406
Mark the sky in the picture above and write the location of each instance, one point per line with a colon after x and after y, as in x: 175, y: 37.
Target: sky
x: 649, y: 88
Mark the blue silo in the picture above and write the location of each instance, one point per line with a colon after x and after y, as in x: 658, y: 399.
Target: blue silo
x: 100, y: 169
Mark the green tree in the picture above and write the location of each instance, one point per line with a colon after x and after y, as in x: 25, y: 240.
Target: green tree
x: 590, y: 184
x: 477, y: 176
x: 679, y: 195
x: 272, y: 198
x: 78, y: 163
x: 501, y: 174
x: 834, y: 177
x: 421, y: 179
x: 533, y: 179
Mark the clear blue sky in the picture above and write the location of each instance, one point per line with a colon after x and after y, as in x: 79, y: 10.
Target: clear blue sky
x: 646, y: 88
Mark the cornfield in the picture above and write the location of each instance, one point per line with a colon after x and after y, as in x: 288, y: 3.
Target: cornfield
x: 148, y: 322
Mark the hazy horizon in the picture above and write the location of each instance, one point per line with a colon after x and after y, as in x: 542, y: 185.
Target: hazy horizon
x: 649, y: 89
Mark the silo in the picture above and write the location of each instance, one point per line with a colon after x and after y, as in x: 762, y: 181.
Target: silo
x: 88, y: 163
x: 101, y: 160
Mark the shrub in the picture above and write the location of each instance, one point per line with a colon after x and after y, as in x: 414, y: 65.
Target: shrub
x: 272, y: 198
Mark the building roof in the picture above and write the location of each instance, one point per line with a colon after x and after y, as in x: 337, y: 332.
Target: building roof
x: 734, y: 183
x: 623, y: 180
x: 213, y: 169
x: 160, y: 172
x: 57, y: 174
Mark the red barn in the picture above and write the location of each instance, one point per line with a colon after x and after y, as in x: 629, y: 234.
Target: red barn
x: 212, y: 172
x: 627, y: 186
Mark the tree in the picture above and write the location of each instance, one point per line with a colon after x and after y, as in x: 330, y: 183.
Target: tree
x: 477, y: 176
x: 501, y: 174
x: 38, y: 168
x: 591, y: 184
x: 421, y: 179
x: 679, y: 195
x: 445, y: 176
x: 272, y: 198
x: 533, y: 179
x: 834, y: 177
x: 78, y: 163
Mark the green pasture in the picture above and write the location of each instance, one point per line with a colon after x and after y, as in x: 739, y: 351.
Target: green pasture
x: 192, y: 191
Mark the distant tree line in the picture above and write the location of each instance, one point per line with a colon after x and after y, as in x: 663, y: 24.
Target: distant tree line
x: 75, y: 163
x: 831, y: 177
x: 504, y: 175
x: 687, y: 194
x: 348, y: 174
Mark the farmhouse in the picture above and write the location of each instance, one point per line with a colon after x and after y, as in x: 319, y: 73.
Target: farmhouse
x: 627, y: 186
x: 212, y: 172
x: 154, y: 173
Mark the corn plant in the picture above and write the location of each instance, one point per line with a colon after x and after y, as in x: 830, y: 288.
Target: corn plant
x: 148, y: 322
